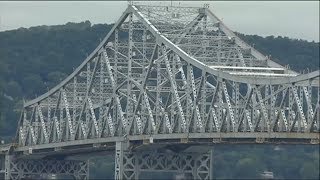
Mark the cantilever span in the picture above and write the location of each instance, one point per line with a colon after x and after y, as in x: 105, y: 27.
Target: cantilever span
x: 180, y: 70
x: 175, y: 73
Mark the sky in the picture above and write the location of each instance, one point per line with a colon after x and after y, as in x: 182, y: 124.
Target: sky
x: 294, y: 19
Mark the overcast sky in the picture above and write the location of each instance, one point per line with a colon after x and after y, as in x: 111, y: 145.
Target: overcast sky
x: 288, y: 18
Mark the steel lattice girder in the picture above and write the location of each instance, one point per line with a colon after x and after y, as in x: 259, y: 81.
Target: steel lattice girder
x: 31, y: 168
x: 181, y: 71
x: 131, y: 165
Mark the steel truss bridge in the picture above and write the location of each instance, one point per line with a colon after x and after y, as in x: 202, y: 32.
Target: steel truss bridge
x: 163, y: 82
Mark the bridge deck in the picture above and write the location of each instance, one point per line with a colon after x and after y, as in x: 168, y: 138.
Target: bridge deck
x: 273, y: 138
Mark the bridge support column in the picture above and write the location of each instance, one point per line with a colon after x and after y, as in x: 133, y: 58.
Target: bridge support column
x: 42, y: 168
x: 186, y: 165
x: 7, y: 160
x: 120, y: 163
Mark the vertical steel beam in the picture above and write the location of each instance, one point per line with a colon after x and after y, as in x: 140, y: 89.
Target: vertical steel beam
x: 121, y: 147
x: 129, y: 110
x: 174, y: 89
x: 7, y: 166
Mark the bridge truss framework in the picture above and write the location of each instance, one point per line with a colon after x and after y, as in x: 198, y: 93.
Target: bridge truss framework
x: 166, y: 73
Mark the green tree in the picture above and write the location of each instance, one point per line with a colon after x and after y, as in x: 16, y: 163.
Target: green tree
x: 55, y: 78
x: 33, y: 85
x: 14, y: 90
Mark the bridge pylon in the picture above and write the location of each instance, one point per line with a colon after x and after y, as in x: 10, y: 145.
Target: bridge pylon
x: 187, y: 164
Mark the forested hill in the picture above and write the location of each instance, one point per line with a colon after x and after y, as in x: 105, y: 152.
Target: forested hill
x: 35, y: 59
x: 298, y: 54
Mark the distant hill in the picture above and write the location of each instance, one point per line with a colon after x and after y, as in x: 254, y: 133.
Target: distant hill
x: 298, y: 54
x: 34, y: 60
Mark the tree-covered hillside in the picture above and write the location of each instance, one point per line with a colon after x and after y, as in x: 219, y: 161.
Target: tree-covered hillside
x: 34, y: 60
x: 300, y: 55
